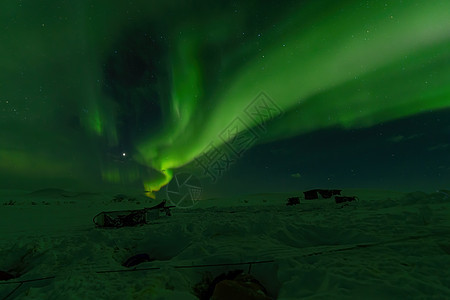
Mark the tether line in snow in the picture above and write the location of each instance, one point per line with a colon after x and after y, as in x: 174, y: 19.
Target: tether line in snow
x: 28, y: 280
x: 12, y: 292
x: 348, y: 248
x: 192, y: 266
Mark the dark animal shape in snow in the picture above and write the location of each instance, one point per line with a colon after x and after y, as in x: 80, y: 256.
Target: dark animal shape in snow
x: 234, y: 284
x: 314, y: 194
x: 343, y: 199
x: 293, y: 201
x: 136, y: 260
x: 207, y: 293
x: 238, y: 285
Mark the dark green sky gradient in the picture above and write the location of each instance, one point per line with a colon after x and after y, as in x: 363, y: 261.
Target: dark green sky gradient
x: 406, y: 154
x: 82, y: 82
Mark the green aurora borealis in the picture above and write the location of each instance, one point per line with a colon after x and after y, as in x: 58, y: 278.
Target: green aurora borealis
x: 83, y: 83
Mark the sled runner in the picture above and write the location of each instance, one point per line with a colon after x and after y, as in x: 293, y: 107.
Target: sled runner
x: 123, y: 218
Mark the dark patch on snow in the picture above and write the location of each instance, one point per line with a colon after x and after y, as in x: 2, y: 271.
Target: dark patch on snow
x: 136, y: 260
x: 6, y: 275
x: 293, y: 201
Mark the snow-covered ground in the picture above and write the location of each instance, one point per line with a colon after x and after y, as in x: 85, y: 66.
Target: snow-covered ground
x: 389, y: 245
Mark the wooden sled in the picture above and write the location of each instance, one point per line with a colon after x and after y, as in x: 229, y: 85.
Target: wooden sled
x: 122, y: 218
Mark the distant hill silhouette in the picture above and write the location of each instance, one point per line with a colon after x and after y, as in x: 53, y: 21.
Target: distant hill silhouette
x: 54, y: 192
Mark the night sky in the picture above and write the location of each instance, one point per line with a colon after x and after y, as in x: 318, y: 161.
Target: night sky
x: 248, y: 96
